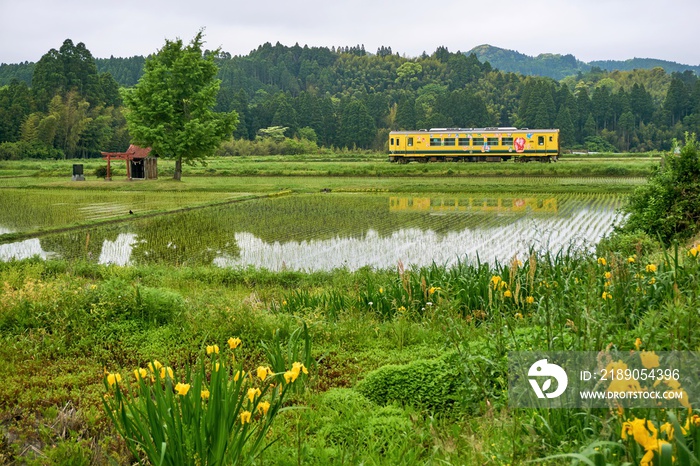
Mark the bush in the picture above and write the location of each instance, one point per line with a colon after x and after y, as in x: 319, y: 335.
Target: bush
x: 430, y: 384
x: 628, y: 244
x: 101, y: 172
x: 668, y: 206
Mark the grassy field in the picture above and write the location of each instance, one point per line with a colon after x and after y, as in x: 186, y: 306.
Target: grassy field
x: 406, y: 366
x: 352, y: 165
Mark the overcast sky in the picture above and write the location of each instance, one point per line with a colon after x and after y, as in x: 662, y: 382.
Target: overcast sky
x: 588, y: 29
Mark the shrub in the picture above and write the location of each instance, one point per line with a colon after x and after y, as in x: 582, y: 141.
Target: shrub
x: 668, y: 206
x: 431, y: 384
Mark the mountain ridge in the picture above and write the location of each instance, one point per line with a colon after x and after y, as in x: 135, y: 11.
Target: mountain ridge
x: 557, y: 66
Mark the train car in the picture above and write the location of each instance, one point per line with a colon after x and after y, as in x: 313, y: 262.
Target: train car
x: 474, y: 145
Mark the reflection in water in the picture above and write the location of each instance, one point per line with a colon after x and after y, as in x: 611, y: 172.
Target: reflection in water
x: 322, y: 233
x: 419, y: 247
x: 118, y: 252
x: 473, y: 204
x: 22, y: 250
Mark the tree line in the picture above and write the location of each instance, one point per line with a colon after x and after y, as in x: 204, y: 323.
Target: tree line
x: 347, y: 97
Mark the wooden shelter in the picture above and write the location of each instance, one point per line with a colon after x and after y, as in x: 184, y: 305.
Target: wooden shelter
x: 140, y: 165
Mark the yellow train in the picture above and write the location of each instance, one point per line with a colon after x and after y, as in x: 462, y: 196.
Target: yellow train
x: 474, y: 145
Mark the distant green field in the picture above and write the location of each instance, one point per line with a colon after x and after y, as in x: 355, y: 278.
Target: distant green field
x: 352, y: 165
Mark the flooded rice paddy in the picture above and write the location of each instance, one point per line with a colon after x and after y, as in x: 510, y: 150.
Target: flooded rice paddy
x: 327, y: 231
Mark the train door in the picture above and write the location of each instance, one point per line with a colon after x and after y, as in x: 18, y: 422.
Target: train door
x: 400, y: 145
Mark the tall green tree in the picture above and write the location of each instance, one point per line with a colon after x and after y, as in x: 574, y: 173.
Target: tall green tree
x: 357, y: 125
x: 170, y: 110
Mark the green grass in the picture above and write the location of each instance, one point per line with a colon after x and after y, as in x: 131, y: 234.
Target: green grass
x: 63, y: 323
x: 340, y: 165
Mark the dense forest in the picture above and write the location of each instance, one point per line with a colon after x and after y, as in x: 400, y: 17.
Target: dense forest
x: 68, y: 103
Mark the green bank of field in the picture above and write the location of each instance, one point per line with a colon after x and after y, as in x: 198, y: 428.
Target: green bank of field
x: 406, y: 365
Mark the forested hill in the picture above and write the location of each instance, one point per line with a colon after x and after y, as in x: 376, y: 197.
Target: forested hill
x: 644, y: 64
x: 560, y: 66
x: 69, y: 104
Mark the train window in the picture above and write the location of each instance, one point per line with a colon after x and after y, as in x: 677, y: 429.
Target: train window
x: 478, y: 141
x: 392, y: 141
x: 409, y: 142
x: 449, y: 142
x: 435, y: 141
x: 540, y: 140
x: 398, y: 142
x: 507, y: 141
x: 550, y: 139
x: 492, y: 141
x: 463, y: 141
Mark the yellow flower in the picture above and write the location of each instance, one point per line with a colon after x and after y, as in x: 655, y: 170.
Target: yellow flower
x: 637, y: 343
x: 245, y: 417
x: 154, y: 366
x: 182, y: 388
x: 234, y: 343
x: 606, y: 295
x: 381, y: 290
x: 651, y: 268
x: 693, y: 251
x: 518, y: 315
x: 205, y: 394
x: 297, y: 365
x: 292, y: 374
x: 114, y: 378
x: 615, y: 366
x: 252, y: 393
x: 630, y: 260
x: 401, y: 309
x: 431, y: 290
x: 667, y: 428
x: 140, y: 373
x: 608, y: 275
x: 238, y: 375
x: 507, y: 294
x: 602, y: 261
x: 213, y: 349
x: 530, y: 300
x: 166, y: 371
x: 649, y: 359
x: 263, y: 407
x: 652, y: 281
x: 495, y: 280
x: 217, y: 366
x: 263, y: 372
x: 646, y: 435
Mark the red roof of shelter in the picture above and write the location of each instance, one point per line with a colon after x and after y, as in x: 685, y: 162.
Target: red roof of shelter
x: 133, y: 152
